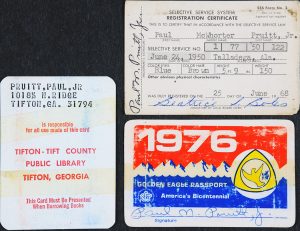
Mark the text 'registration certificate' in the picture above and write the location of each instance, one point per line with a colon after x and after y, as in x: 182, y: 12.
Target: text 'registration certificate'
x: 211, y: 57
x: 57, y: 152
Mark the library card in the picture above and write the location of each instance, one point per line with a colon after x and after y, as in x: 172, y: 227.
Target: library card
x: 57, y: 152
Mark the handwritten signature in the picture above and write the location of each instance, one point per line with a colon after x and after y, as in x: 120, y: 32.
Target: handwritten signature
x: 170, y: 101
x: 143, y: 212
x: 135, y: 59
x: 259, y: 102
x: 191, y: 102
x: 239, y: 212
x: 255, y: 217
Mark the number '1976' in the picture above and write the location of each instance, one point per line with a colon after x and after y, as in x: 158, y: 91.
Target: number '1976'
x: 171, y: 140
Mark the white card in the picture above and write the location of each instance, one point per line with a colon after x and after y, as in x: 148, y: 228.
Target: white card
x: 57, y: 152
x: 216, y: 173
x: 212, y: 57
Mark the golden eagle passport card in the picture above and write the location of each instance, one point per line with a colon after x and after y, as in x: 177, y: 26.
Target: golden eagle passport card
x: 235, y: 173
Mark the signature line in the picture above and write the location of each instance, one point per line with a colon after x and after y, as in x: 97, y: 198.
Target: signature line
x: 213, y: 217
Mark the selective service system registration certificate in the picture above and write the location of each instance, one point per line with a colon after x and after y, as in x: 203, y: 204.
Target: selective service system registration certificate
x: 211, y: 57
x: 57, y: 152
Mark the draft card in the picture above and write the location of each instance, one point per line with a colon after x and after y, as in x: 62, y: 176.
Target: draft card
x: 212, y: 57
x: 57, y: 152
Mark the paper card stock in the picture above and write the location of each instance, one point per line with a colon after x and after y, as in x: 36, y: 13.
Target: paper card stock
x: 57, y: 152
x: 209, y: 173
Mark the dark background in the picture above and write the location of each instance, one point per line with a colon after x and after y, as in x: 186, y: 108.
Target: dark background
x: 86, y: 38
